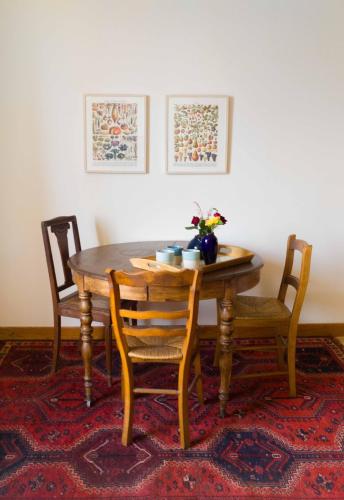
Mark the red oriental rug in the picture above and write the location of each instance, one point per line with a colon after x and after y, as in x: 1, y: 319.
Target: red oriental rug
x: 269, y: 446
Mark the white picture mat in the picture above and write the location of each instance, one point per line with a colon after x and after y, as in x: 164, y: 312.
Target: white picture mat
x: 190, y: 167
x: 117, y: 166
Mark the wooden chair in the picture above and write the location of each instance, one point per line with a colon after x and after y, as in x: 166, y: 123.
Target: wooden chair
x: 69, y: 305
x: 170, y: 343
x: 272, y: 317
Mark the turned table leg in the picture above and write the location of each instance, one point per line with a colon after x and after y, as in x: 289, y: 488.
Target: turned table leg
x: 86, y: 339
x: 226, y: 338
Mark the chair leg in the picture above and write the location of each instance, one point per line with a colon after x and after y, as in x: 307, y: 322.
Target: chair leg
x: 217, y: 354
x: 108, y: 352
x: 217, y: 348
x: 122, y: 385
x: 183, y: 406
x: 280, y: 352
x: 291, y: 367
x: 198, y: 374
x: 127, y: 381
x: 56, y: 342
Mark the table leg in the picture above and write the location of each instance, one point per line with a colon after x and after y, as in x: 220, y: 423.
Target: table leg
x: 86, y: 339
x: 226, y: 338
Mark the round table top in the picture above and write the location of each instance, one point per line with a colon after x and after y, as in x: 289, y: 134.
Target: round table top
x: 93, y: 261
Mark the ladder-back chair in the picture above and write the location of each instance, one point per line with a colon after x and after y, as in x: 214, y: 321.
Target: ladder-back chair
x: 152, y: 343
x: 273, y: 318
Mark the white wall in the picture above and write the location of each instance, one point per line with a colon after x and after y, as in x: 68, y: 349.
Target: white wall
x: 283, y: 63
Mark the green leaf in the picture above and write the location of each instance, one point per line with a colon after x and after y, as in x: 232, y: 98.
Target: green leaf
x: 190, y: 227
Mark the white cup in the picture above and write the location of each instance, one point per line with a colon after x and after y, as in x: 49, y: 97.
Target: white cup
x: 166, y: 255
x: 191, y: 258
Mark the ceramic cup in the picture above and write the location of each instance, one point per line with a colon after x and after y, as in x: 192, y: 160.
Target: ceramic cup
x: 177, y: 250
x: 191, y: 258
x: 166, y: 255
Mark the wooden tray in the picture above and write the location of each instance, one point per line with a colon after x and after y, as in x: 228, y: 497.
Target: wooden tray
x: 228, y: 255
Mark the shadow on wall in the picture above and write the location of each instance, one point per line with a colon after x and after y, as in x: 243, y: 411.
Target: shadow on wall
x: 103, y: 235
x: 270, y: 280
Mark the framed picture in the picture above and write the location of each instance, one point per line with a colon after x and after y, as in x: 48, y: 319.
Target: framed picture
x: 197, y: 134
x: 116, y: 136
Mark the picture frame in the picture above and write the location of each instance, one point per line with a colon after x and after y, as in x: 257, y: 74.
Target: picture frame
x: 116, y: 133
x: 198, y: 129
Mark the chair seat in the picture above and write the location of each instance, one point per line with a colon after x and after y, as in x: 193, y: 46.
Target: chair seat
x: 70, y: 306
x: 260, y: 308
x: 155, y: 348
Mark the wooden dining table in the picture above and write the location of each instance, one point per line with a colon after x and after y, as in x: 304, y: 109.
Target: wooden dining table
x: 88, y: 270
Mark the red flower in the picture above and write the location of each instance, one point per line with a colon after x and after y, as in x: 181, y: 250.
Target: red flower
x: 217, y: 214
x: 223, y: 219
x: 195, y: 221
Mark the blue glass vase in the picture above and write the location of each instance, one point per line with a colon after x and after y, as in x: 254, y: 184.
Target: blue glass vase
x: 196, y: 243
x: 209, y: 247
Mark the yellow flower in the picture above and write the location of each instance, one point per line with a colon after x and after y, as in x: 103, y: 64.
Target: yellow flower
x: 212, y: 221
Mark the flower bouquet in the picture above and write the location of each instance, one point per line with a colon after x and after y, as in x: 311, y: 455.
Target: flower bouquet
x: 206, y: 240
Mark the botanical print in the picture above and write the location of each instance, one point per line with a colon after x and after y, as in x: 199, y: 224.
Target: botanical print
x: 114, y: 127
x: 195, y: 133
x: 115, y: 133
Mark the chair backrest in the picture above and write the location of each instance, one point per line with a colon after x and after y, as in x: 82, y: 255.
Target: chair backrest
x: 60, y: 227
x: 153, y: 286
x: 299, y: 282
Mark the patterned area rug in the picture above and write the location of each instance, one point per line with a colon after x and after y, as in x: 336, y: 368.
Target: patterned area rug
x: 269, y: 446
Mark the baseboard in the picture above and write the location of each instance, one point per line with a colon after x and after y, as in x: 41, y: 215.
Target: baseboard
x: 207, y: 332
x: 304, y: 330
x: 321, y: 330
x: 45, y: 333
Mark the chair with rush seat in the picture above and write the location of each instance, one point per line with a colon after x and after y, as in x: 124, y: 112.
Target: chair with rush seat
x: 157, y: 343
x: 69, y: 305
x: 272, y: 315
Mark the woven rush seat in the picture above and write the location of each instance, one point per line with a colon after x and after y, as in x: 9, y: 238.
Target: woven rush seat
x: 260, y: 308
x: 155, y: 348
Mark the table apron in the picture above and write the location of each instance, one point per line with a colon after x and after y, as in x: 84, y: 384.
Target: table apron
x: 211, y: 289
